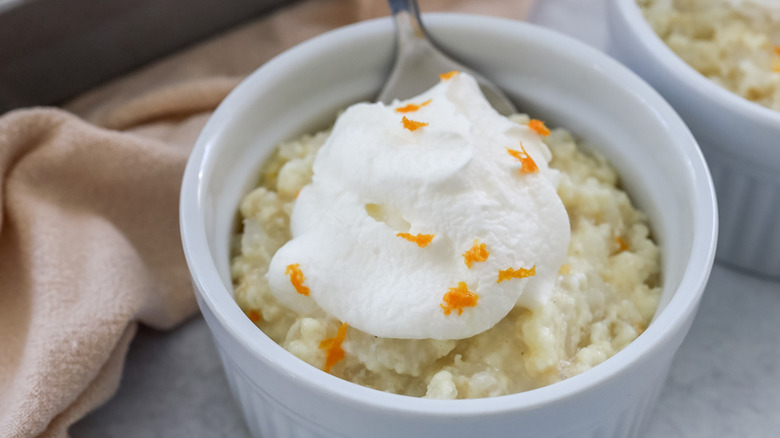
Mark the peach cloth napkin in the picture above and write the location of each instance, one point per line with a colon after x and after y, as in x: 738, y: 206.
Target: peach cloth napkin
x: 89, y: 236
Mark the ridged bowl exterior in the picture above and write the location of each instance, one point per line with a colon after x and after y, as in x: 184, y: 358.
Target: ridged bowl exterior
x: 553, y: 77
x: 624, y: 407
x: 739, y: 139
x: 749, y: 199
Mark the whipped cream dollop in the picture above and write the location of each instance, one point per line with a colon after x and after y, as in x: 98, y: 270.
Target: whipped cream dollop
x: 428, y: 218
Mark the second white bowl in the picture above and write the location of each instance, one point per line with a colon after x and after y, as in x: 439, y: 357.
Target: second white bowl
x: 739, y: 138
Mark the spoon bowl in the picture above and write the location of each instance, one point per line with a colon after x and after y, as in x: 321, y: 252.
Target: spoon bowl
x: 418, y: 62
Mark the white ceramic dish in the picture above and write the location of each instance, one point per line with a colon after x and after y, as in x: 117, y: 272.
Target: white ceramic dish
x: 739, y: 138
x: 553, y: 77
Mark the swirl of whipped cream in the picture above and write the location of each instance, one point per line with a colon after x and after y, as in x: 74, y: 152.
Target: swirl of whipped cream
x: 413, y: 212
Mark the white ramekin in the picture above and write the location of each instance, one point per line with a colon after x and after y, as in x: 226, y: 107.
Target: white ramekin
x: 739, y: 138
x: 552, y: 77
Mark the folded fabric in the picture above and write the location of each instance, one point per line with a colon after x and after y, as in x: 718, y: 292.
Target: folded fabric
x: 89, y: 235
x: 89, y: 246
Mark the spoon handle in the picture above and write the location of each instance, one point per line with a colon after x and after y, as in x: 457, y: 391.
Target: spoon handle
x: 397, y: 6
x: 410, y: 33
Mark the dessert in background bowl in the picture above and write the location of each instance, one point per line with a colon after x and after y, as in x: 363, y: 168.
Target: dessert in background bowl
x: 734, y: 43
x: 718, y: 63
x: 550, y: 76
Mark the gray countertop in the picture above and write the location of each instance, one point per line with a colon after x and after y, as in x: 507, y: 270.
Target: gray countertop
x: 724, y: 382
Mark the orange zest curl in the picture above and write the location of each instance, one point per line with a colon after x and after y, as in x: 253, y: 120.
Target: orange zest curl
x: 539, y: 127
x: 448, y: 75
x: 477, y: 253
x: 776, y: 59
x: 457, y: 298
x: 296, y: 278
x: 621, y: 243
x: 422, y: 240
x: 412, y: 125
x: 254, y: 316
x: 528, y: 164
x: 333, y: 346
x: 412, y: 107
x: 510, y: 273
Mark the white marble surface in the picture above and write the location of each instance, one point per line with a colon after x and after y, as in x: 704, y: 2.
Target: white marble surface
x: 724, y: 382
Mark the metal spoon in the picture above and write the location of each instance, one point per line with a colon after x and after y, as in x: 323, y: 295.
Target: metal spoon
x: 418, y: 62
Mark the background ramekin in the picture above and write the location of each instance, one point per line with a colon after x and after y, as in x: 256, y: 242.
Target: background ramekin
x: 551, y: 76
x: 739, y: 138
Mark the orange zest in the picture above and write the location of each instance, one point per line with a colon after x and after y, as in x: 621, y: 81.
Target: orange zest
x: 477, y: 253
x: 333, y: 346
x: 622, y: 243
x: 510, y: 273
x: 296, y: 278
x: 539, y: 127
x: 448, y: 75
x: 254, y: 316
x: 528, y: 164
x: 412, y: 107
x: 457, y: 298
x: 775, y: 60
x: 412, y: 125
x: 422, y: 240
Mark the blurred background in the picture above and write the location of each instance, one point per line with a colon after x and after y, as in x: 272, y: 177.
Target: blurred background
x: 51, y: 50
